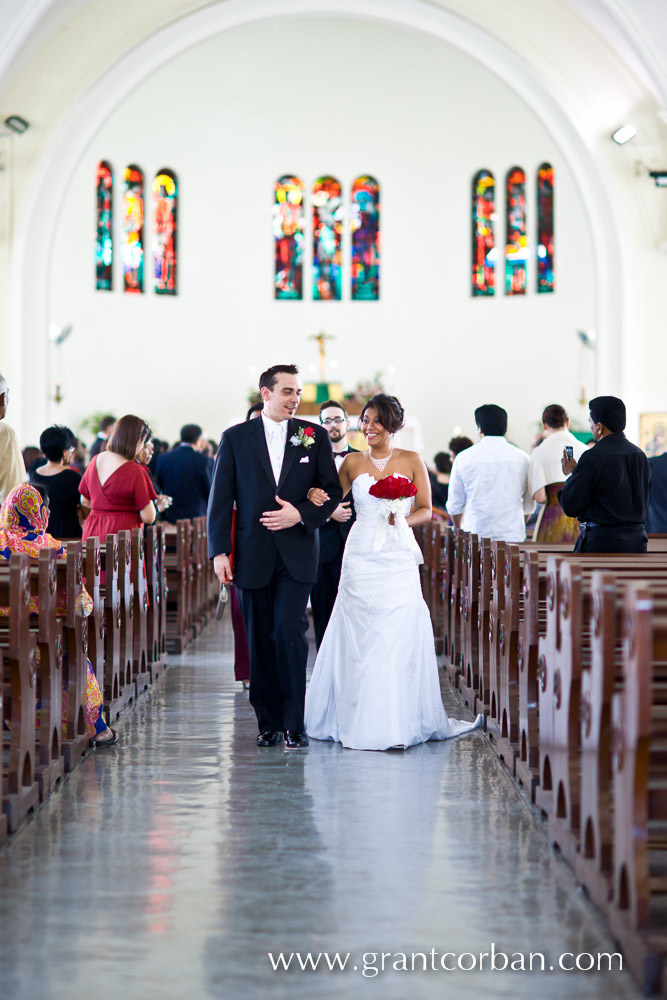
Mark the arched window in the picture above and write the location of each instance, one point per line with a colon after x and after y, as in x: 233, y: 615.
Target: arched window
x: 483, y: 242
x: 545, y: 228
x: 288, y: 226
x: 327, y: 236
x: 132, y: 252
x: 104, y: 242
x: 516, y: 250
x: 365, y: 226
x: 165, y: 205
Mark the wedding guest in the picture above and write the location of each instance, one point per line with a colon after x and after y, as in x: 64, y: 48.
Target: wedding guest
x: 24, y: 518
x: 457, y: 445
x: 546, y: 476
x: 107, y: 425
x: 489, y: 481
x: 608, y: 489
x: 185, y: 475
x: 115, y: 487
x: 60, y: 481
x: 656, y: 523
x: 254, y: 411
x: 334, y: 531
x: 440, y: 479
x: 12, y: 469
x: 32, y: 458
x: 144, y: 459
x: 80, y: 456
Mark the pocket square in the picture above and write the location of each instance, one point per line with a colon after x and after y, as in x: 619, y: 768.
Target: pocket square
x: 304, y: 459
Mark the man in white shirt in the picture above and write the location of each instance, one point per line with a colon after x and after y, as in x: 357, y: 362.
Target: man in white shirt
x: 12, y: 469
x: 490, y: 482
x: 545, y: 461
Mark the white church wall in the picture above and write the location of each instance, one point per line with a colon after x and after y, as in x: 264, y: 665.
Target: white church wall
x: 315, y: 96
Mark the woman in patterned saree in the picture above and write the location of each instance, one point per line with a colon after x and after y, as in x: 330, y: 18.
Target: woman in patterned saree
x: 24, y: 518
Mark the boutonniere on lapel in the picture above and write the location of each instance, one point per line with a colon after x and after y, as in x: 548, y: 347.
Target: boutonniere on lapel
x: 305, y: 436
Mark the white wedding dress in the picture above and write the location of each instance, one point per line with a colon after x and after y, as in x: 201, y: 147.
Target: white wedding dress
x: 375, y: 682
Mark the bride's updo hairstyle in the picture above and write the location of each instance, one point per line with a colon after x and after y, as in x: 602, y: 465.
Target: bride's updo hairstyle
x: 390, y: 412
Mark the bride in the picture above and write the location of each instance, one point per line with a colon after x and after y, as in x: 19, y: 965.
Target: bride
x: 375, y: 682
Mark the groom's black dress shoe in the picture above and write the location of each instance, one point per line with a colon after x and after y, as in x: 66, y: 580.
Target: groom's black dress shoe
x: 296, y: 741
x: 268, y: 738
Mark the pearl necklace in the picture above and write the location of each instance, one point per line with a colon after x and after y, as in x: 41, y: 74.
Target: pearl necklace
x: 381, y: 463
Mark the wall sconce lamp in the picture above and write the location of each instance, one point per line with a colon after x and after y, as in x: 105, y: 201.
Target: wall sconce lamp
x: 16, y: 124
x: 624, y: 134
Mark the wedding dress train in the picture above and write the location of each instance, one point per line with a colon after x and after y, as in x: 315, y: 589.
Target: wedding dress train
x: 375, y: 682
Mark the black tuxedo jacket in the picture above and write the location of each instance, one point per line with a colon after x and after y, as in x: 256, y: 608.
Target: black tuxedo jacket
x: 185, y: 475
x: 333, y: 534
x: 243, y: 475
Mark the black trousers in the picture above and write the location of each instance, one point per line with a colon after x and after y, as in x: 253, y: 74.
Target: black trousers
x: 604, y: 539
x: 276, y: 625
x: 323, y: 595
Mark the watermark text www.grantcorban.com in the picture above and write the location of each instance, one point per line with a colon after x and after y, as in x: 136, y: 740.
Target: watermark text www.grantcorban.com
x: 374, y: 962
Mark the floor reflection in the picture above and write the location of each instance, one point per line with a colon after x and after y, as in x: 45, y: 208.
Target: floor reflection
x: 174, y: 865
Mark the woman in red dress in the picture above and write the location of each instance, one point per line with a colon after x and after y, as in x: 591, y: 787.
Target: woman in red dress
x: 115, y: 488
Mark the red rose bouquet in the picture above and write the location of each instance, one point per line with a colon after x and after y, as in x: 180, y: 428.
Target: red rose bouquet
x: 393, y: 488
x: 391, y: 492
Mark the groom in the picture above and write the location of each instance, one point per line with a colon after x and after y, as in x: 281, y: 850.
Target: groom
x: 268, y: 468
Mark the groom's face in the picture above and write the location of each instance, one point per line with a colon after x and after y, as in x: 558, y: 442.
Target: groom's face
x: 280, y: 403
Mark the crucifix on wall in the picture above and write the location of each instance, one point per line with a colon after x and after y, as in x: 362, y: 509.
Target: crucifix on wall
x: 321, y: 339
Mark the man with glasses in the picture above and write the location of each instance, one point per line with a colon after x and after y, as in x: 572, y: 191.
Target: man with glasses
x: 334, y: 532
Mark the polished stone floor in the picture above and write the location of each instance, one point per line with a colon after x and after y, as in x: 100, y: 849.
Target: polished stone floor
x: 173, y: 865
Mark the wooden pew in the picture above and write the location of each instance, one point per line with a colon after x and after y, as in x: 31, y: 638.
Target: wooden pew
x: 50, y: 762
x: 140, y: 668
x: 179, y: 577
x: 76, y: 744
x: 563, y: 697
x: 20, y: 791
x: 126, y: 590
x: 93, y: 573
x: 639, y: 718
x: 468, y: 680
x: 154, y: 646
x: 118, y: 689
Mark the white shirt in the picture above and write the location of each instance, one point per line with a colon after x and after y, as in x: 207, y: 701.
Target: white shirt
x: 276, y: 435
x: 490, y: 482
x: 545, y: 461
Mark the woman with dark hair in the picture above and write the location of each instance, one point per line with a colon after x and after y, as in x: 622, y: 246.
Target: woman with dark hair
x: 60, y: 481
x: 375, y: 683
x: 115, y: 486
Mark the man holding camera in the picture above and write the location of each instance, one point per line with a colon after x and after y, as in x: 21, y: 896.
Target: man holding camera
x: 608, y: 487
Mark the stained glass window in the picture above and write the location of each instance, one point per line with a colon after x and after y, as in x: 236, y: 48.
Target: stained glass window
x: 327, y: 236
x: 165, y: 205
x: 133, y: 228
x: 483, y: 244
x: 545, y: 228
x: 104, y: 242
x: 288, y: 227
x: 516, y: 250
x: 365, y: 226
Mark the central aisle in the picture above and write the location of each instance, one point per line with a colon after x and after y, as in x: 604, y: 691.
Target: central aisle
x: 171, y: 866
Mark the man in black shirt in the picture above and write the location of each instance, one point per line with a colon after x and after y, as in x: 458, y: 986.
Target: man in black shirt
x: 609, y: 486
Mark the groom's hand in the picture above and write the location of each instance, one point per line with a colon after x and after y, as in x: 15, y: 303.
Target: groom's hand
x: 222, y: 568
x: 278, y: 520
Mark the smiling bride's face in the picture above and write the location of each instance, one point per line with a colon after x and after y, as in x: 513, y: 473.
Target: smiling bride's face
x: 372, y: 429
